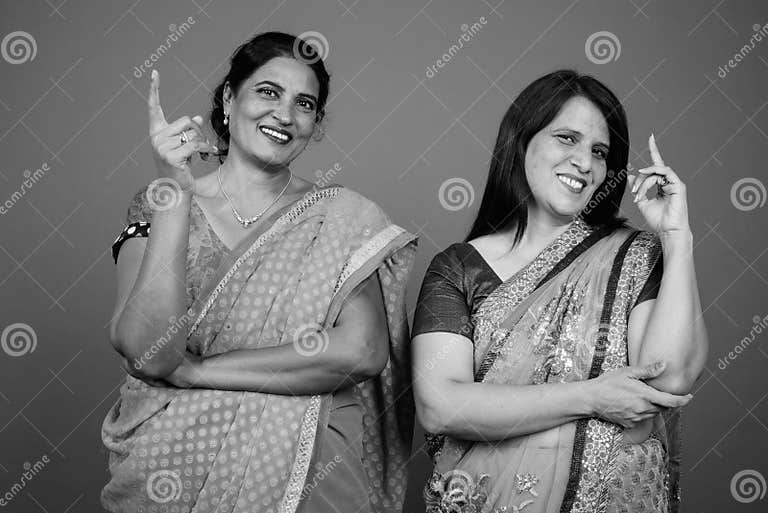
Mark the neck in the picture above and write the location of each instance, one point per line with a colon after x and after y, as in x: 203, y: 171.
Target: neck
x: 244, y: 177
x: 543, y: 227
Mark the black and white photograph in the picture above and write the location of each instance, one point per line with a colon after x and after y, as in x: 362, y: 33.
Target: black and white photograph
x: 357, y: 256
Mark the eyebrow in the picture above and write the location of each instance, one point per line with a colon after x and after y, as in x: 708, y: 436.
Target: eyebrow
x: 281, y: 88
x: 601, y: 143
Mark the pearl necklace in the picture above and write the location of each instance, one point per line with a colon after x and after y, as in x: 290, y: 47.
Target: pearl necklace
x: 247, y: 222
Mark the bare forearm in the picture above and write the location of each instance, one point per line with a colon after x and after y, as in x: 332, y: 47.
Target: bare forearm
x: 280, y: 370
x: 675, y: 332
x: 487, y: 411
x: 153, y: 324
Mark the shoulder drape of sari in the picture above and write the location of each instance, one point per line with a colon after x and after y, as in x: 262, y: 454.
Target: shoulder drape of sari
x: 562, y: 318
x: 204, y: 450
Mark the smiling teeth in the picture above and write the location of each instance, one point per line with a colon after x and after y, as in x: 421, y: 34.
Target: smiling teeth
x: 570, y: 181
x: 275, y: 134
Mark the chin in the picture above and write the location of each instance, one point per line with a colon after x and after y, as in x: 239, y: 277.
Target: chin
x: 272, y: 158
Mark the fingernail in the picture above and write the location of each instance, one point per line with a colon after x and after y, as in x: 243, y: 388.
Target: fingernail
x: 153, y: 74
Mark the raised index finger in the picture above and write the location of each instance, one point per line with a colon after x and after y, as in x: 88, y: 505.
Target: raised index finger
x: 156, y: 116
x: 655, y: 155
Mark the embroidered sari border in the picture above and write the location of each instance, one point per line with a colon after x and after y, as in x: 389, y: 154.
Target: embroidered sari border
x: 573, y: 254
x: 598, y: 358
x: 303, y: 457
x: 364, y: 259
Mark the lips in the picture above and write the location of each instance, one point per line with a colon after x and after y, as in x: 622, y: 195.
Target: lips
x: 275, y: 134
x: 572, y: 182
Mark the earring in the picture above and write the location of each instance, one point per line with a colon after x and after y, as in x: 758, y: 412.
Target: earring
x: 226, y: 118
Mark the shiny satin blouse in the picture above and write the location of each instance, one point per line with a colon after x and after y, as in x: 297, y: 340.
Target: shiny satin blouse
x: 457, y: 282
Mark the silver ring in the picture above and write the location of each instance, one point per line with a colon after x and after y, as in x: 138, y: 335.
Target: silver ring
x: 664, y: 181
x: 184, y: 139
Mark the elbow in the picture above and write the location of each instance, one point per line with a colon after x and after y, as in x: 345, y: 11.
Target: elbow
x: 153, y: 363
x: 431, y: 420
x: 678, y: 382
x: 432, y: 412
x: 368, y: 359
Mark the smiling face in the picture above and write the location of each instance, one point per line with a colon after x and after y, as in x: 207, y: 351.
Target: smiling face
x: 272, y: 117
x: 565, y: 162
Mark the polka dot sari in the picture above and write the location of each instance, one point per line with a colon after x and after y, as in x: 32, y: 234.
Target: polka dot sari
x: 203, y: 450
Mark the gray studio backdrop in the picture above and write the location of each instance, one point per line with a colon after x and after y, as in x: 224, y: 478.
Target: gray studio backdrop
x: 418, y: 91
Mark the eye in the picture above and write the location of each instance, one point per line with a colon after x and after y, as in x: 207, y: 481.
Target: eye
x: 306, y: 105
x: 601, y: 153
x: 565, y: 137
x: 268, y: 92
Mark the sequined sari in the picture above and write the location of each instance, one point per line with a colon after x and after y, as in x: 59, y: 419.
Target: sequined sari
x: 562, y: 318
x: 204, y: 450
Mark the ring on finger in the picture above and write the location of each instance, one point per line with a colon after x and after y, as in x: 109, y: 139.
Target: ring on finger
x: 664, y: 181
x: 183, y: 137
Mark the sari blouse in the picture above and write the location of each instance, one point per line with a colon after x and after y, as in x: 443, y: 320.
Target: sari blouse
x: 459, y: 279
x: 562, y: 318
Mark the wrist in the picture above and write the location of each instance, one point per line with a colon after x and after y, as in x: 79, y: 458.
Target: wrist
x: 587, y: 398
x: 676, y: 242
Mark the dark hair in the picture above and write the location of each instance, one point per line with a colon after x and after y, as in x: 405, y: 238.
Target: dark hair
x: 252, y: 55
x: 507, y: 192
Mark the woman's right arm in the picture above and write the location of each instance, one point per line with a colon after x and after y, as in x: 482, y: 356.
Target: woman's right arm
x: 449, y: 402
x: 151, y: 275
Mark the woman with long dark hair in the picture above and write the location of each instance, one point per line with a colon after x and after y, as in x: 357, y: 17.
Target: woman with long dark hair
x: 553, y: 349
x: 260, y: 316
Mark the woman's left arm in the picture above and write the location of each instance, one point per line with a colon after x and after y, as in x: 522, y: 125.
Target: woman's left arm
x: 355, y: 349
x: 671, y: 327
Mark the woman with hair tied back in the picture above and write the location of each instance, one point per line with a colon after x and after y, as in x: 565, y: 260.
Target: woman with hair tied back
x: 260, y: 318
x: 554, y: 348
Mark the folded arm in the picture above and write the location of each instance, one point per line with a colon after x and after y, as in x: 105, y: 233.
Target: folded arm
x: 355, y: 349
x: 671, y: 327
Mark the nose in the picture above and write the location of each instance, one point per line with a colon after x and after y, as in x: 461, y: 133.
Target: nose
x: 581, y: 159
x: 282, y: 114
